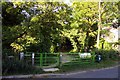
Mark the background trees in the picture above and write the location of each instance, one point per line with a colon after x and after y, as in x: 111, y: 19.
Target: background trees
x: 54, y: 26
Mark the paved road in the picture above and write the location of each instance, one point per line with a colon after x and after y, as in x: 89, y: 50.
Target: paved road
x: 101, y: 73
x: 94, y: 74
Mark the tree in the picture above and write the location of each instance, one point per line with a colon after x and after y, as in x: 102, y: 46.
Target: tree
x: 52, y: 26
x: 40, y: 28
x: 99, y: 25
x: 85, y: 22
x: 108, y: 11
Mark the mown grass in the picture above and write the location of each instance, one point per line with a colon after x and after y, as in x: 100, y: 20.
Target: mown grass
x: 71, y: 67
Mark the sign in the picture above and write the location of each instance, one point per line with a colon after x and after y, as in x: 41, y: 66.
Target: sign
x: 85, y: 55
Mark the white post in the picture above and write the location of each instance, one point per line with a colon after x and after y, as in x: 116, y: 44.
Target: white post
x: 21, y: 55
x: 33, y: 55
x: 61, y: 58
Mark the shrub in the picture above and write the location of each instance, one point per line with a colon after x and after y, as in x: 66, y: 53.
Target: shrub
x: 107, y: 54
x: 13, y: 66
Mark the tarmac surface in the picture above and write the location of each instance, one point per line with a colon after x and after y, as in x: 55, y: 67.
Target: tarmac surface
x: 111, y: 73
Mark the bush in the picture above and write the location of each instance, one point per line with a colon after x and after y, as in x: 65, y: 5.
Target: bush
x: 7, y: 52
x: 108, y: 54
x: 13, y: 66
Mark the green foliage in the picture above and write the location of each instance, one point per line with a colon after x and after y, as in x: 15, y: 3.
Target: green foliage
x: 105, y: 45
x: 85, y: 24
x: 52, y: 49
x: 109, y: 11
x: 117, y: 43
x: 108, y: 54
x: 35, y: 19
x: 54, y: 27
x: 52, y: 23
x: 12, y: 66
x: 11, y: 16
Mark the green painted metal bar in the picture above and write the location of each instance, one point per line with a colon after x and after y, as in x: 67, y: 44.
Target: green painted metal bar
x: 45, y: 58
x: 93, y: 57
x: 59, y: 60
x: 41, y: 59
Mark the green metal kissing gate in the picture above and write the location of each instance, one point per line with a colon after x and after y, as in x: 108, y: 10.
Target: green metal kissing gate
x: 50, y: 60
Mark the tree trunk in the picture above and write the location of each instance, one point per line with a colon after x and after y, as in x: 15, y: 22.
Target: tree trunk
x: 99, y: 25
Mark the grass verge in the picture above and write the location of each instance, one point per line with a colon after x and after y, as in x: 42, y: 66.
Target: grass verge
x: 71, y: 67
